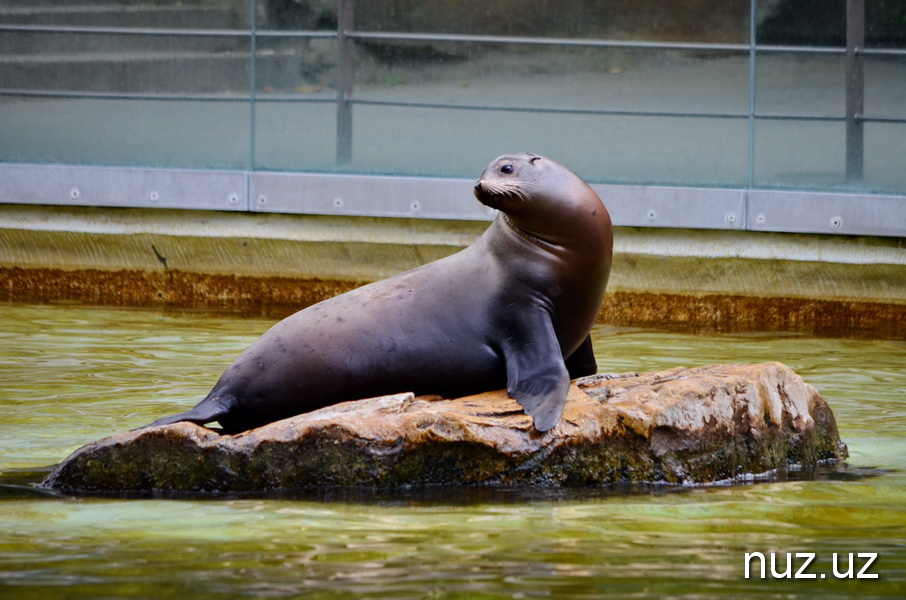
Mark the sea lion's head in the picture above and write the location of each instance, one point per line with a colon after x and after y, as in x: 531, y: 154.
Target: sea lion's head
x: 540, y: 196
x: 512, y: 183
x: 508, y: 181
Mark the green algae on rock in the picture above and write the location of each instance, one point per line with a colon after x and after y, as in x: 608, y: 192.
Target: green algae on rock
x: 681, y: 426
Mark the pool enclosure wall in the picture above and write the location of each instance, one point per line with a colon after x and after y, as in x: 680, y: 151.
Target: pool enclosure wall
x: 708, y: 115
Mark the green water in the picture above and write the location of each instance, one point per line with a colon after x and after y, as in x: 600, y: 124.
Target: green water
x: 71, y: 375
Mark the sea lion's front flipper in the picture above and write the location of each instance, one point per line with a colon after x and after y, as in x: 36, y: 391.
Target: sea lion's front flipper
x: 536, y: 375
x: 582, y: 363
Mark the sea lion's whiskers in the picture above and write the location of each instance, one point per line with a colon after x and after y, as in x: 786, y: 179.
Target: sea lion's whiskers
x: 518, y: 189
x: 524, y: 190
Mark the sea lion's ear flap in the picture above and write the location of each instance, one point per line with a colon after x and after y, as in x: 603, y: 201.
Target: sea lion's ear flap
x: 533, y: 159
x: 536, y: 375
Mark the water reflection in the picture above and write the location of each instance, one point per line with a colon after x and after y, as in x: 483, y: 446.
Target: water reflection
x: 73, y: 375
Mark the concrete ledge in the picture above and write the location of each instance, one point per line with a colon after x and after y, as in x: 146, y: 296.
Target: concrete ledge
x: 722, y: 279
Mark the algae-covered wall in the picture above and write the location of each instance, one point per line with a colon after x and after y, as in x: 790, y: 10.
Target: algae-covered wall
x: 275, y: 264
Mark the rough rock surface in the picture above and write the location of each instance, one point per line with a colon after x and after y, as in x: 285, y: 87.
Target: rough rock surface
x: 681, y: 426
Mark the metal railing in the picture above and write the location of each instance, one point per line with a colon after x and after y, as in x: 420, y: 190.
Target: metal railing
x: 854, y: 51
x: 347, y: 36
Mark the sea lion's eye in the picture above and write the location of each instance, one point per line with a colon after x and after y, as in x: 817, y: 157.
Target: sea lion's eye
x: 506, y: 169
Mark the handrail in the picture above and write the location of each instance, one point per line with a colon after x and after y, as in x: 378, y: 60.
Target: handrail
x: 445, y: 37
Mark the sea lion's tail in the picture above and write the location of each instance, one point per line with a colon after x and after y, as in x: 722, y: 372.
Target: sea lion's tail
x: 208, y: 410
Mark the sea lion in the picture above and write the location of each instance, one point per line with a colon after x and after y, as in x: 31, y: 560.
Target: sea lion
x: 506, y: 311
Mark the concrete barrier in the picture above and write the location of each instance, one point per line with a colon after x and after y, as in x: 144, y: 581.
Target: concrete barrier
x: 275, y: 264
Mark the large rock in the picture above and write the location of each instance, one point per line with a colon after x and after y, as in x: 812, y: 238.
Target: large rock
x: 682, y: 426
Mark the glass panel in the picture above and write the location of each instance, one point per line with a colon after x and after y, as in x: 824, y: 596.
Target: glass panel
x: 125, y: 93
x: 296, y: 136
x: 297, y: 15
x: 556, y: 77
x: 649, y: 150
x: 885, y: 87
x: 800, y: 84
x: 885, y: 98
x: 295, y: 113
x: 885, y: 165
x: 800, y: 154
x: 664, y: 20
x: 802, y: 22
x: 704, y: 145
x: 132, y: 64
x: 125, y: 132
x: 177, y: 14
x: 803, y: 155
x: 823, y: 23
x: 296, y: 68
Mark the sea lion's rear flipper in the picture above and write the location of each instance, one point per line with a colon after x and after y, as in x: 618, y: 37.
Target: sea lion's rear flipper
x: 536, y: 374
x: 582, y: 363
x: 208, y: 410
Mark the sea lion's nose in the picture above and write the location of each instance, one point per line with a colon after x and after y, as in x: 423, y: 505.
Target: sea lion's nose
x: 478, y: 187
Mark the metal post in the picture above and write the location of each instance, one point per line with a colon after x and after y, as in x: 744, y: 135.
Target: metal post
x: 855, y: 89
x: 753, y: 28
x: 345, y: 78
x: 253, y: 81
